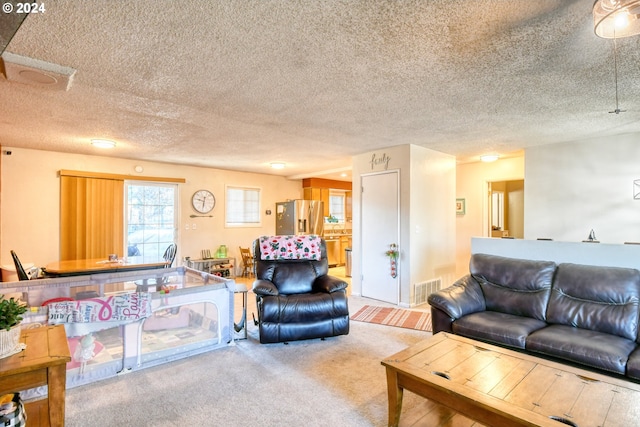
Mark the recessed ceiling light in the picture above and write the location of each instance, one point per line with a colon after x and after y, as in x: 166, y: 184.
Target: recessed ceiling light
x: 103, y: 143
x: 277, y: 165
x: 489, y: 158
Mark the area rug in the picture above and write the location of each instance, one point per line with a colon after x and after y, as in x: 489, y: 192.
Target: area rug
x: 420, y: 320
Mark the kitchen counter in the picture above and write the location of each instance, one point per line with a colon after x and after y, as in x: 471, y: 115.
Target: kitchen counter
x: 332, y: 235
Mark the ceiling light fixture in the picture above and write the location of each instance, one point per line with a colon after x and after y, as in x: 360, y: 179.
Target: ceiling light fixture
x: 489, y: 158
x: 103, y: 143
x: 277, y: 165
x: 615, y: 70
x: 616, y: 18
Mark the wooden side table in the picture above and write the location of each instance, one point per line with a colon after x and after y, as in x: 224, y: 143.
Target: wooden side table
x: 43, y: 362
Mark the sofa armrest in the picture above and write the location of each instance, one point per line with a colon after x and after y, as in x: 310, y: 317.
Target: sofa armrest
x: 463, y: 297
x: 440, y: 321
x: 265, y: 288
x: 329, y: 284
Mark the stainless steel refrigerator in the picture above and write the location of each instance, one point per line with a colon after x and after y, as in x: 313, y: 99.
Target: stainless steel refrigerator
x: 300, y: 217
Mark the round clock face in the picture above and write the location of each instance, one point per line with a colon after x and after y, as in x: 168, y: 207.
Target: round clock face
x: 203, y: 201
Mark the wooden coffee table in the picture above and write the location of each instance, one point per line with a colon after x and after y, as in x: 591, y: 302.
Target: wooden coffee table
x: 500, y: 387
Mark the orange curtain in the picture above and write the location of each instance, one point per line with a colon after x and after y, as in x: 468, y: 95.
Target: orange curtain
x: 91, y: 217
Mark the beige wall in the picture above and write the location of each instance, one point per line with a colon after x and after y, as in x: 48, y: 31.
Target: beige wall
x: 29, y: 202
x: 471, y: 185
x: 575, y: 187
x: 432, y: 226
x: 427, y: 211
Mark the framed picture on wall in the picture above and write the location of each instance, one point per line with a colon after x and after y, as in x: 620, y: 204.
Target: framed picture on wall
x: 461, y: 206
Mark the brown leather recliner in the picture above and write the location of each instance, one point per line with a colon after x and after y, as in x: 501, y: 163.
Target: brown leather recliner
x: 296, y: 298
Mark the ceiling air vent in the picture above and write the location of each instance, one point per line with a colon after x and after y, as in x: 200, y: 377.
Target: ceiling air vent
x: 33, y: 72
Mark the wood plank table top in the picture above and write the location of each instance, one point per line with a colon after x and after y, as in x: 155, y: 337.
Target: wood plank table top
x: 42, y: 362
x: 99, y: 265
x: 500, y: 387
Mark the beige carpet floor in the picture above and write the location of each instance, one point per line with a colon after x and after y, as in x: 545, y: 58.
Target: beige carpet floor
x: 334, y: 382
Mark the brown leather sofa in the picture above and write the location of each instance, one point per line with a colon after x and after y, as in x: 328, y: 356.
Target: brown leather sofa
x: 297, y: 299
x: 587, y: 315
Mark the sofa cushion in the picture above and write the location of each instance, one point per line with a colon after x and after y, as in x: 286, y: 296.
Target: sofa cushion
x: 602, y: 299
x: 303, y: 316
x: 496, y: 327
x: 596, y: 349
x: 514, y: 286
x: 633, y: 364
x: 302, y: 308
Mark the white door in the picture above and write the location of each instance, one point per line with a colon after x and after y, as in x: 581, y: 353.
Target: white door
x: 380, y: 228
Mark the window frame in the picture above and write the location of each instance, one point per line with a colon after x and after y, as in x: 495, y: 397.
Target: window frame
x: 229, y: 203
x: 343, y: 195
x: 176, y: 211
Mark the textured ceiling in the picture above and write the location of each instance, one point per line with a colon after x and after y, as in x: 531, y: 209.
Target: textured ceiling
x: 239, y: 84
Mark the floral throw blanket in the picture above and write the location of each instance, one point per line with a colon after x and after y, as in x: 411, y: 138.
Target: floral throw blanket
x: 290, y: 247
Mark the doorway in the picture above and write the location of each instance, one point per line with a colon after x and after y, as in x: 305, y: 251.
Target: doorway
x: 380, y: 201
x: 506, y: 209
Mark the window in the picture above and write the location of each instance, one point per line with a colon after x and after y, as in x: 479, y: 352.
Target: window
x: 100, y: 212
x: 336, y: 206
x: 242, y: 207
x: 151, y: 219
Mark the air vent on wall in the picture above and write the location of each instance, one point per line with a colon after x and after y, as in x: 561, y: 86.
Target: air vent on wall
x: 29, y: 71
x: 422, y: 290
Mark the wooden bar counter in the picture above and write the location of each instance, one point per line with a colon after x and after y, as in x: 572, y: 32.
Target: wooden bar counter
x: 43, y: 362
x: 78, y: 267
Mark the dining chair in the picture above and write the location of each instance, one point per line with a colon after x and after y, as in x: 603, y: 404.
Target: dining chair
x: 247, y: 262
x: 22, y: 275
x: 170, y: 254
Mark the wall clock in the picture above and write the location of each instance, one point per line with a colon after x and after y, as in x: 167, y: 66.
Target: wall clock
x: 203, y: 201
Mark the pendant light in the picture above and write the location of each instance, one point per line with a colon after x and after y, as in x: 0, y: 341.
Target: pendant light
x: 616, y: 18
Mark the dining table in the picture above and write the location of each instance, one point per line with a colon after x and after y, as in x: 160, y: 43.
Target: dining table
x: 77, y: 267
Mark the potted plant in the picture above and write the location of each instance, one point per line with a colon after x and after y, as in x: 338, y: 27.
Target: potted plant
x: 11, y: 312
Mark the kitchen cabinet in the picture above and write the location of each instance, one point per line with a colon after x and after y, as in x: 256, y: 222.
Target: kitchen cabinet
x: 336, y: 245
x: 321, y: 194
x: 348, y: 205
x: 319, y: 189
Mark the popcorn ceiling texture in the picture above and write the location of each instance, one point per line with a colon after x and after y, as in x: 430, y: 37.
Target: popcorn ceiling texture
x: 238, y: 84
